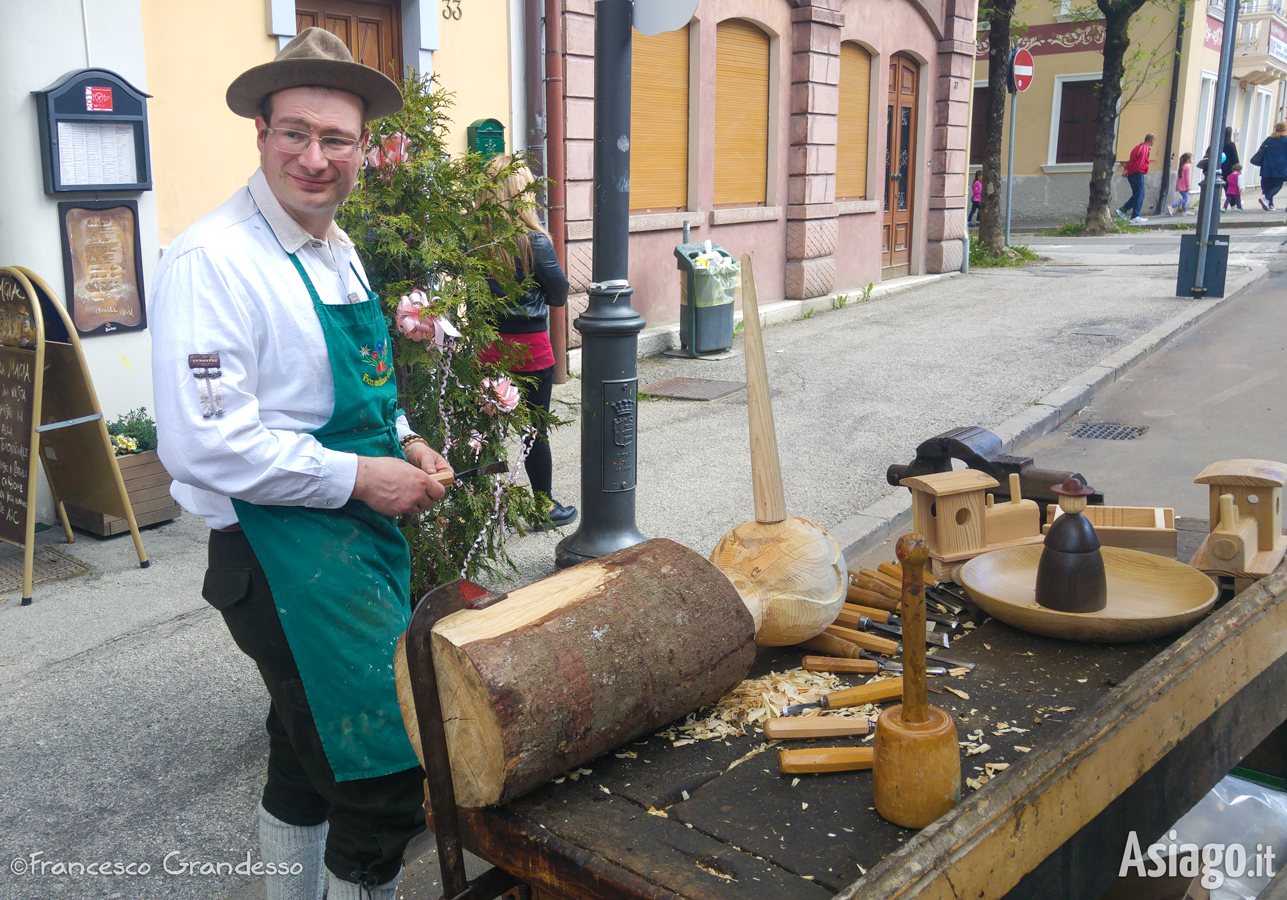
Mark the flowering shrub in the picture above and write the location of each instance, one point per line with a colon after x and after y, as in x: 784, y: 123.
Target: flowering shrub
x: 133, y: 432
x: 427, y: 226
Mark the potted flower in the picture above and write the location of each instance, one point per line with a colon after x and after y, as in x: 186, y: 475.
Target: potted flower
x: 133, y: 437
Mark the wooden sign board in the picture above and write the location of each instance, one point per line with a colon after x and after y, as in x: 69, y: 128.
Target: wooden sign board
x: 102, y: 269
x: 49, y: 411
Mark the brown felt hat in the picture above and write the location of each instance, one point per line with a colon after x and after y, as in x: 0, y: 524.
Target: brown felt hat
x: 314, y: 58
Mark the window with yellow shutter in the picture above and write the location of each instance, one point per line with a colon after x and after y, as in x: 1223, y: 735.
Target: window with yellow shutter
x: 659, y: 122
x: 852, y: 137
x: 741, y: 114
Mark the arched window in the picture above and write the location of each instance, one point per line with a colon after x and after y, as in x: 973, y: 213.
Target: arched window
x: 741, y: 114
x: 852, y: 122
x: 659, y: 122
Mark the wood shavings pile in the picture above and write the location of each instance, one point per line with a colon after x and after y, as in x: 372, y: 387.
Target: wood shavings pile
x: 755, y: 701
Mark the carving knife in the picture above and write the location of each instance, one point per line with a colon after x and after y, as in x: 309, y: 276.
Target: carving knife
x: 950, y: 663
x: 867, y: 624
x: 872, y: 692
x: 448, y: 477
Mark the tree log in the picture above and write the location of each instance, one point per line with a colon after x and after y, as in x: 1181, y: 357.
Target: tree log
x: 576, y: 664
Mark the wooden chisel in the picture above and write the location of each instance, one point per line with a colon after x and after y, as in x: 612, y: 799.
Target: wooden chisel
x: 447, y: 477
x: 888, y: 580
x: 852, y: 610
x: 894, y: 570
x: 866, y: 582
x: 871, y: 692
x: 931, y: 637
x: 840, y: 665
x: 830, y: 645
x: 804, y: 729
x: 865, y: 597
x: 864, y: 640
x: 829, y: 759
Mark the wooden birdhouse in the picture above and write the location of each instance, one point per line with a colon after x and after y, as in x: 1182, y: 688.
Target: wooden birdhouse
x: 1246, y: 519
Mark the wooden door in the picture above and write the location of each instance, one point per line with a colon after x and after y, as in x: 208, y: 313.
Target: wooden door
x: 900, y: 168
x: 372, y: 29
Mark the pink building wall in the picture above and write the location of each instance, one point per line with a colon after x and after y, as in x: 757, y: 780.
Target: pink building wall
x: 804, y: 244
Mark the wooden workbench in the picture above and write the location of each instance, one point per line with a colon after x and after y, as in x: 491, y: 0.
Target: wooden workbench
x: 1120, y: 737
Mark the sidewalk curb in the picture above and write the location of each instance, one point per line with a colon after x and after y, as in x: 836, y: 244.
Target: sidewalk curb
x: 892, y: 514
x: 655, y: 341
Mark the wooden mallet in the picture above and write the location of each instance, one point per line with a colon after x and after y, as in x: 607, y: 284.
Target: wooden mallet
x: 790, y: 573
x: 916, y: 769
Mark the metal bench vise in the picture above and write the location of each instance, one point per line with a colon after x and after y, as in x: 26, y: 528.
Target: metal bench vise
x: 982, y: 450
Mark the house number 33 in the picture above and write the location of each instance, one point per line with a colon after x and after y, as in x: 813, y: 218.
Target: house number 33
x: 451, y: 9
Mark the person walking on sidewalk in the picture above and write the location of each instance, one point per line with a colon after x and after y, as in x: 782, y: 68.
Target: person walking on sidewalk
x: 277, y: 416
x: 1272, y: 160
x: 1182, y: 181
x: 1136, y: 168
x: 1233, y: 188
x: 976, y: 198
x: 525, y: 325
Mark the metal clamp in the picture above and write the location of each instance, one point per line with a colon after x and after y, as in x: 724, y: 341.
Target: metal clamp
x: 68, y: 423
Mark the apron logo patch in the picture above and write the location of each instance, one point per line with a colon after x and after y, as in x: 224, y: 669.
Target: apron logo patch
x: 377, y: 358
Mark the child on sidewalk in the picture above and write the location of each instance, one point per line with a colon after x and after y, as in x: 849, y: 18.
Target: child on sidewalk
x: 1233, y: 188
x: 976, y: 197
x: 1183, y: 179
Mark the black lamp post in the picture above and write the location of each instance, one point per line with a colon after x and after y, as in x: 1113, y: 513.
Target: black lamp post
x: 610, y: 326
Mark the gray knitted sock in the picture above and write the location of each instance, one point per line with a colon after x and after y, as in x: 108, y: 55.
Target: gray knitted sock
x: 290, y: 846
x: 347, y: 890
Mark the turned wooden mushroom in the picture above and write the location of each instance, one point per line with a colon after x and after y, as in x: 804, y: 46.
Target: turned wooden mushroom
x: 916, y: 766
x: 790, y: 573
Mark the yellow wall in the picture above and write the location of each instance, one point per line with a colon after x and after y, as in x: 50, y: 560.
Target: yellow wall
x: 472, y: 62
x: 201, y: 151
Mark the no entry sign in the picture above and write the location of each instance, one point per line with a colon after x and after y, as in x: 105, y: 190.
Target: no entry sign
x: 1020, y: 70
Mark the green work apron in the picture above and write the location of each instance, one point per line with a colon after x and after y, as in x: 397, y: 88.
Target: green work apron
x: 341, y: 578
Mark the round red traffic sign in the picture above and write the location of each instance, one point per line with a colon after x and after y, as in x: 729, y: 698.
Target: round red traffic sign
x: 1021, y: 70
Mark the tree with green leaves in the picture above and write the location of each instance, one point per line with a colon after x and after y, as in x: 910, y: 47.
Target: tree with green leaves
x: 433, y: 231
x: 999, y: 14
x: 1126, y: 74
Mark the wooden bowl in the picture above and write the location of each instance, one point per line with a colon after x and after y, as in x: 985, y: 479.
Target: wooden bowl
x: 1148, y: 596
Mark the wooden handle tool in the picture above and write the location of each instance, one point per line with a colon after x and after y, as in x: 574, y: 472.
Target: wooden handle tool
x: 870, y: 598
x: 815, y: 727
x: 917, y: 762
x: 830, y: 759
x: 871, y: 692
x: 849, y: 614
x: 875, y: 585
x: 895, y: 571
x: 766, y: 469
x: 880, y: 645
x: 840, y: 665
x: 831, y: 645
x: 894, y: 584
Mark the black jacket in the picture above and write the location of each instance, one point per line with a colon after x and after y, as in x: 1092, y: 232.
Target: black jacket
x: 1230, y: 151
x: 548, y: 287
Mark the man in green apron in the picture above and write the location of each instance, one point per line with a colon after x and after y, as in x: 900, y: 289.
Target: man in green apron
x: 277, y: 416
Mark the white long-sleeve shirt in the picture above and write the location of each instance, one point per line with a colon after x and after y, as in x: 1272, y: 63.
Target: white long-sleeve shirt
x: 226, y: 285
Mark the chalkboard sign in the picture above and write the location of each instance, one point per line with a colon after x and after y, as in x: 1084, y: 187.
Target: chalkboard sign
x: 39, y: 352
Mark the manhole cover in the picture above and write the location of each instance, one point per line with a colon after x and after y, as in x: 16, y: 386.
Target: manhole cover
x: 47, y: 565
x: 1109, y: 432
x: 692, y: 388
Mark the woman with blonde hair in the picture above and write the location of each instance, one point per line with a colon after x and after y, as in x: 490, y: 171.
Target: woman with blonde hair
x: 1272, y: 160
x: 525, y: 325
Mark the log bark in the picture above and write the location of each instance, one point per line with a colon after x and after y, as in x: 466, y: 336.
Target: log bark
x: 576, y: 664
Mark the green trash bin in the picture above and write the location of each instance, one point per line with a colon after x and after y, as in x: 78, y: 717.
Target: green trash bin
x: 710, y: 283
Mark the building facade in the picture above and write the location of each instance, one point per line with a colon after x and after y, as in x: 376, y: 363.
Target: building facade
x: 1055, y: 128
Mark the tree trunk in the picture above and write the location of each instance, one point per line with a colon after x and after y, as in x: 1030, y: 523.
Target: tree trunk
x: 573, y: 665
x: 1117, y: 20
x: 991, y: 215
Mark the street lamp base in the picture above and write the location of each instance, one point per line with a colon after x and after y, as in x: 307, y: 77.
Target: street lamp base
x: 579, y: 547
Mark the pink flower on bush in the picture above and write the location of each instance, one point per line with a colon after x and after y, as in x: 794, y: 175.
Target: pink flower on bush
x: 505, y: 396
x: 415, y: 323
x: 476, y: 443
x: 394, y: 152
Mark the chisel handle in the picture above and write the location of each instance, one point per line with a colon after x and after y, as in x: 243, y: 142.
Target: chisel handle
x: 445, y: 477
x: 841, y: 666
x: 872, y: 692
x: 805, y: 728
x: 870, y: 598
x: 895, y: 571
x: 866, y: 582
x: 831, y: 645
x: 867, y: 641
x: 876, y: 615
x: 889, y: 581
x: 830, y: 759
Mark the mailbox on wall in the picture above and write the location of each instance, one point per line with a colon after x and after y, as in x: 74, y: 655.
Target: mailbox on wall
x: 93, y: 134
x: 486, y: 137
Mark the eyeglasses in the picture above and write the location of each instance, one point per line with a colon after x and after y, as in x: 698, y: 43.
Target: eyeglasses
x: 338, y: 149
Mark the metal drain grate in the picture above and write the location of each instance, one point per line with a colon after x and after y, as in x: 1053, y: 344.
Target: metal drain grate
x: 692, y: 388
x: 1107, y: 431
x: 47, y: 565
